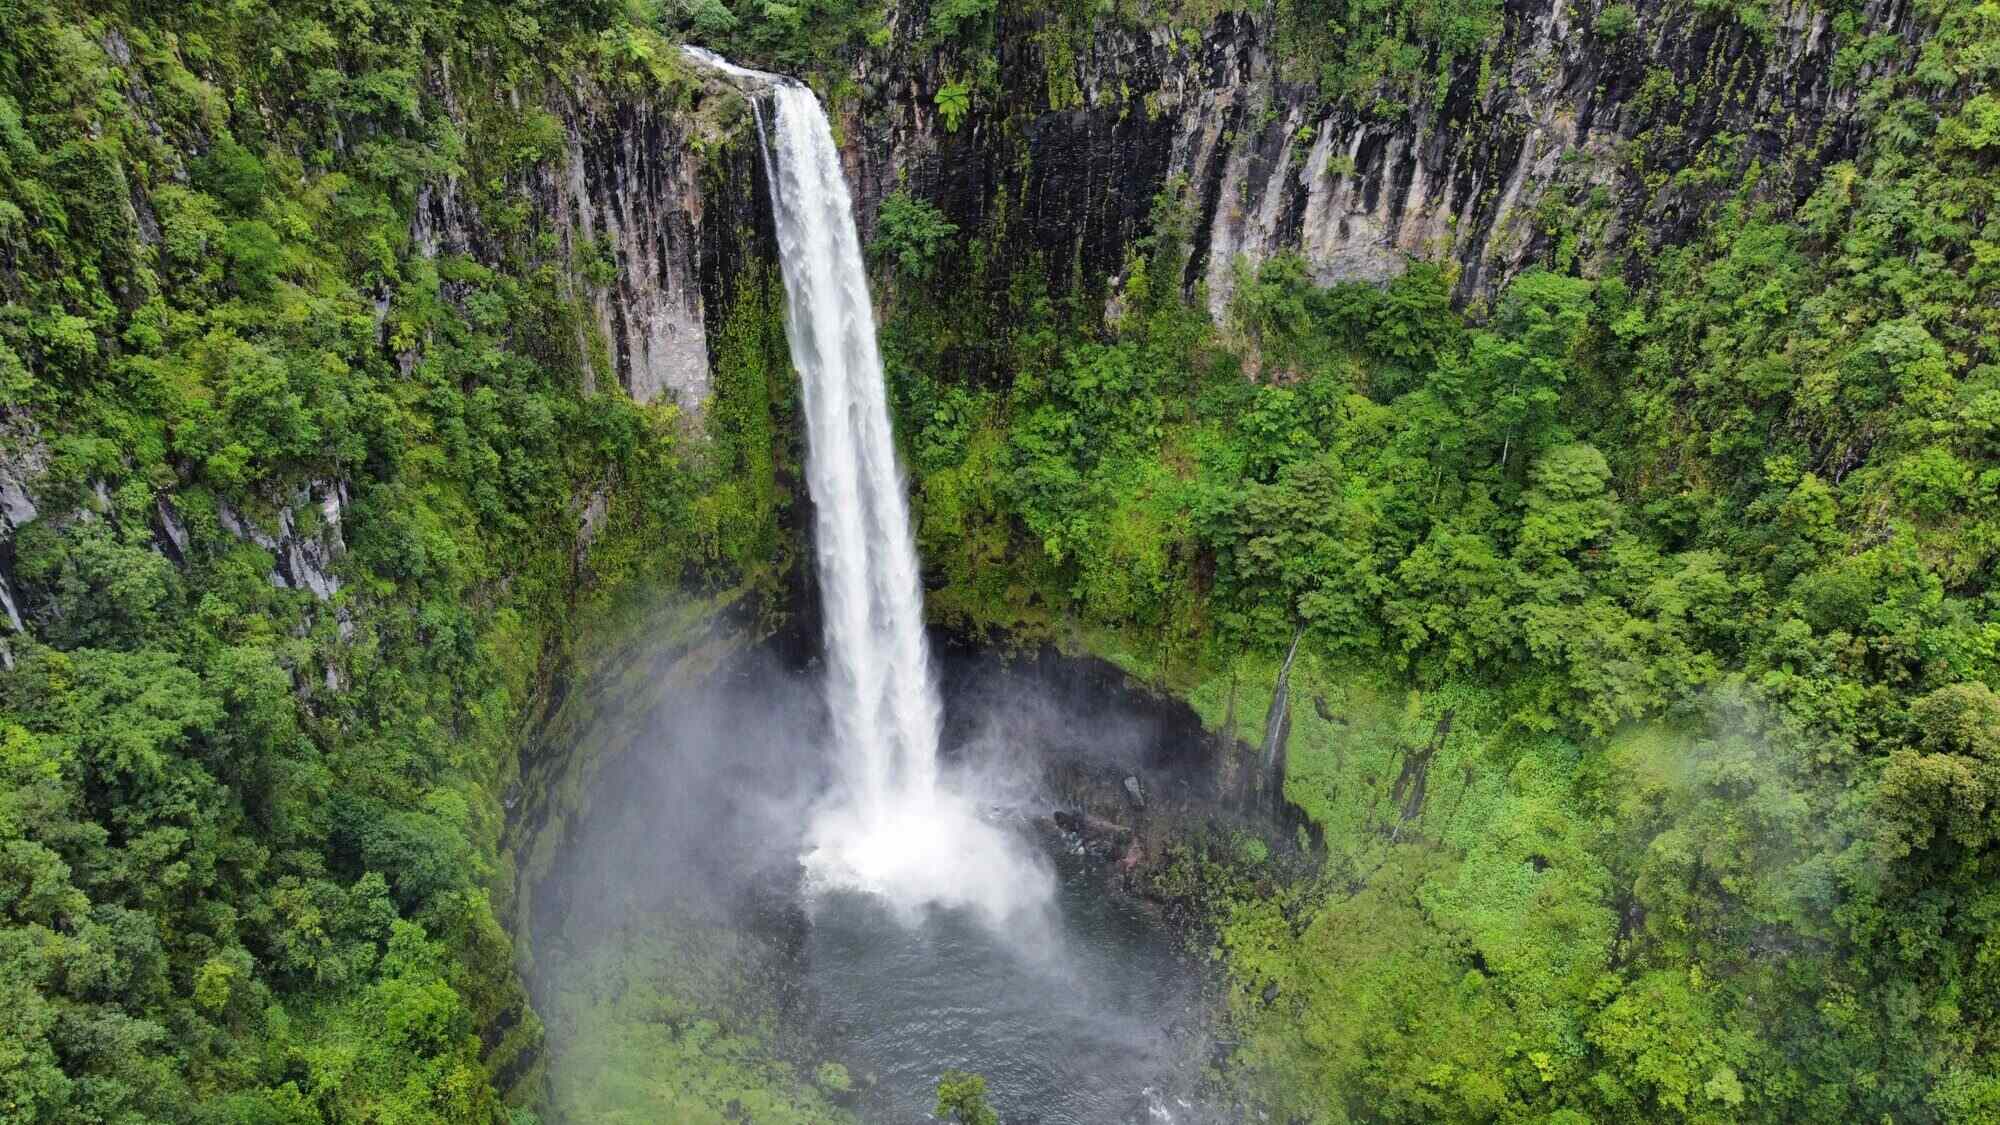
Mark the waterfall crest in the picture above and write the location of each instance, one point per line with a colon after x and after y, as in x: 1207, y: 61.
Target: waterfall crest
x: 892, y: 826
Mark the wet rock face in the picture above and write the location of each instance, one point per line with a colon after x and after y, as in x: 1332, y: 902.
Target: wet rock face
x: 1073, y: 185
x: 649, y: 203
x: 305, y: 544
x: 1560, y: 144
x: 24, y: 457
x: 629, y: 180
x: 1123, y: 771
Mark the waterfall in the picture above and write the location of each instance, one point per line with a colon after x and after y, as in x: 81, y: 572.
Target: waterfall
x: 891, y: 826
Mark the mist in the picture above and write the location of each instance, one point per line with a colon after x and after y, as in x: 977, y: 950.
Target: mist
x: 844, y: 890
x: 680, y: 901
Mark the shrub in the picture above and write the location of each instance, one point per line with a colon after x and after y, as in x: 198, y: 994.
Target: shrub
x: 1616, y: 22
x: 911, y: 233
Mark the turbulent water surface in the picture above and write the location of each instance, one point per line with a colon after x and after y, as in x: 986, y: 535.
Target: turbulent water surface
x: 1088, y: 1024
x: 1083, y: 1013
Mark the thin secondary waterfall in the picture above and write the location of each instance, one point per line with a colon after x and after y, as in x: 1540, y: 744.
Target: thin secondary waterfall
x: 891, y: 827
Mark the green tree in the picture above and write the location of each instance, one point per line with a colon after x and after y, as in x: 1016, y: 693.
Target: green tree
x: 961, y: 1098
x: 911, y: 234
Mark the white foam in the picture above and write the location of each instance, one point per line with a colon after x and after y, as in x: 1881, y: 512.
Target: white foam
x: 892, y: 826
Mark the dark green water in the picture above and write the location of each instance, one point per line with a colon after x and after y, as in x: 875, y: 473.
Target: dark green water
x: 1081, y: 1020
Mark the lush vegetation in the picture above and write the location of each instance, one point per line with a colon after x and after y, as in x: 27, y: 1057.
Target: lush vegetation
x: 670, y: 1021
x: 1645, y: 700
x: 310, y: 499
x: 1644, y: 709
x: 961, y: 1098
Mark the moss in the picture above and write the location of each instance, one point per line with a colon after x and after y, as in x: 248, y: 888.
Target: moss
x: 677, y: 1021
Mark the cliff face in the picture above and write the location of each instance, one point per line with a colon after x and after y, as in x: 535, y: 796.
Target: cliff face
x: 644, y: 200
x: 1570, y: 141
x: 653, y: 202
x: 1560, y: 143
x: 1574, y: 139
x: 1567, y: 128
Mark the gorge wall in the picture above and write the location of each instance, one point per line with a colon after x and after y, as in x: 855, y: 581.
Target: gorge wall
x: 652, y: 200
x: 1565, y: 142
x: 1576, y: 138
x: 1568, y: 142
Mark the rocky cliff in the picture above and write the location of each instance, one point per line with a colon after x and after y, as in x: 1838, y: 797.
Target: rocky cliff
x: 300, y: 401
x: 651, y: 198
x: 1579, y: 137
x: 1575, y: 139
x: 1567, y: 140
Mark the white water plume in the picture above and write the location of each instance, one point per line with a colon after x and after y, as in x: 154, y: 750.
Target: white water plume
x: 892, y: 826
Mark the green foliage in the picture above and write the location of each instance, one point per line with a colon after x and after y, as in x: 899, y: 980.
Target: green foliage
x: 953, y: 100
x: 796, y: 37
x: 957, y: 19
x: 910, y: 233
x: 1616, y: 21
x: 961, y: 1098
x: 737, y: 498
x: 1644, y: 700
x: 676, y: 1021
x: 1384, y: 54
x: 833, y: 1078
x: 249, y: 830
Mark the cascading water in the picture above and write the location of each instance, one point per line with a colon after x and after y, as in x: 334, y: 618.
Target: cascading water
x: 892, y: 827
